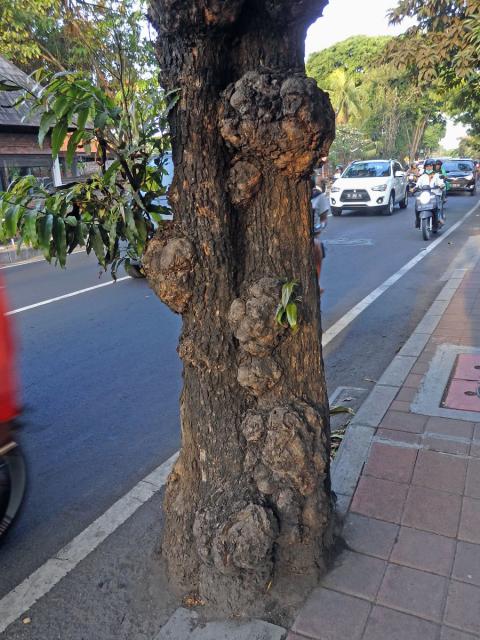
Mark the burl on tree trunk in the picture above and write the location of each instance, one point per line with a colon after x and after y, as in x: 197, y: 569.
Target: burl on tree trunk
x: 248, y: 502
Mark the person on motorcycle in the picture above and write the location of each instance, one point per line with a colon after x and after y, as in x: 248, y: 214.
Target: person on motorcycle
x: 338, y: 172
x: 320, y: 210
x: 429, y: 179
x: 439, y: 169
x: 8, y: 400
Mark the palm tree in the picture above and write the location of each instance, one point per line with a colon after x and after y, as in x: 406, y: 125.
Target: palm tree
x: 345, y: 95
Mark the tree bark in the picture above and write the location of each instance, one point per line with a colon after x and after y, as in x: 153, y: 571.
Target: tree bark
x: 248, y: 502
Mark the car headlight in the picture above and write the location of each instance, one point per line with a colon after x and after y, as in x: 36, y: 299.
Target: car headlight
x: 335, y: 189
x: 380, y: 187
x: 424, y: 197
x: 469, y: 176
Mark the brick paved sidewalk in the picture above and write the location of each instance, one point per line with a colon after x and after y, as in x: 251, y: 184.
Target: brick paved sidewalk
x: 411, y: 570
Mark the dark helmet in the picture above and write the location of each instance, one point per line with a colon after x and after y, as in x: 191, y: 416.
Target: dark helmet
x: 438, y: 162
x: 429, y: 162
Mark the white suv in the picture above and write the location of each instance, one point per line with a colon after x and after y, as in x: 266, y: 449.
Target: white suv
x: 374, y: 184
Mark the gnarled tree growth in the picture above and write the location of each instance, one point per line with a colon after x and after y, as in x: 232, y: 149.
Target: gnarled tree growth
x: 248, y: 501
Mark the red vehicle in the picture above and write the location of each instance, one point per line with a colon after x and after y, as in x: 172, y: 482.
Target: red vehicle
x: 12, y: 465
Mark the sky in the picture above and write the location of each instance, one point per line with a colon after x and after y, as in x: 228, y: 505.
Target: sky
x: 344, y: 18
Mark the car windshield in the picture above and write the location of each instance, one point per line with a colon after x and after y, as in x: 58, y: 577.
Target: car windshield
x: 368, y: 170
x: 458, y: 165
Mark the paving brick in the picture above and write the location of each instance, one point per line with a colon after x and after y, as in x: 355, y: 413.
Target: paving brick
x: 370, y: 536
x: 472, y: 487
x: 448, y: 633
x: 413, y: 380
x: 448, y: 427
x: 444, y: 445
x: 390, y: 462
x: 463, y: 607
x: 402, y: 421
x: 467, y: 563
x: 475, y: 449
x: 440, y: 471
x: 398, y: 436
x: 380, y: 499
x: 424, y: 551
x: 385, y: 624
x: 416, y: 592
x: 421, y: 368
x: 356, y: 574
x: 406, y: 394
x: 470, y: 521
x: 433, y: 511
x: 399, y: 405
x: 329, y: 615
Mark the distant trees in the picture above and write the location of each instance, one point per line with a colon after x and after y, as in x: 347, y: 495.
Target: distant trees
x: 380, y: 110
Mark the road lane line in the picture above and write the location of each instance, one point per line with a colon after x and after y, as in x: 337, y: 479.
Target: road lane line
x: 41, y: 581
x: 66, y: 295
x: 333, y: 331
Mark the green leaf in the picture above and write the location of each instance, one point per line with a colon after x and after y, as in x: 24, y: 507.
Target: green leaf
x: 29, y: 227
x: 287, y: 290
x: 8, y: 85
x: 47, y: 121
x: 280, y: 314
x: 71, y: 221
x: 100, y: 120
x: 73, y: 144
x: 60, y: 239
x: 96, y: 243
x: 44, y: 231
x: 291, y: 311
x: 11, y: 220
x: 82, y: 117
x: 59, y: 134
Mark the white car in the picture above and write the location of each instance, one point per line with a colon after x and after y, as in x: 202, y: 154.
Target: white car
x: 370, y: 184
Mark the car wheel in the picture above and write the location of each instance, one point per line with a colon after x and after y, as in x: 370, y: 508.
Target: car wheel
x: 404, y: 203
x: 388, y: 209
x: 336, y: 211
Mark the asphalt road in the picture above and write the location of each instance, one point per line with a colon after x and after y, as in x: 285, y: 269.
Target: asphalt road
x: 101, y: 378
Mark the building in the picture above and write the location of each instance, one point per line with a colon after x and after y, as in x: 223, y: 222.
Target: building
x: 20, y: 153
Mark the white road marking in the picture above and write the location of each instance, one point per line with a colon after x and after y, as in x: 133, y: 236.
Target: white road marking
x: 66, y: 295
x: 333, y: 331
x: 39, y: 583
x: 34, y: 259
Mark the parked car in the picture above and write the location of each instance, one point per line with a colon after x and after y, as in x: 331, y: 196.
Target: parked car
x: 460, y: 173
x: 376, y: 185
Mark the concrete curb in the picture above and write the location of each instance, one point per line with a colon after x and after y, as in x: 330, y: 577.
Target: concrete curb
x: 353, y: 452
x: 10, y: 255
x: 186, y: 624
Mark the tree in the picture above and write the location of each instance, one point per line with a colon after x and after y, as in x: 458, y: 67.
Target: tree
x: 248, y: 504
x: 444, y: 46
x: 248, y: 501
x: 74, y: 35
x: 356, y: 55
x: 345, y: 95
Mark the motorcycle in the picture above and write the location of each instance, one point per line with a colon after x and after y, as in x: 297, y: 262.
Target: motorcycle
x: 412, y: 183
x: 13, y: 481
x: 429, y: 210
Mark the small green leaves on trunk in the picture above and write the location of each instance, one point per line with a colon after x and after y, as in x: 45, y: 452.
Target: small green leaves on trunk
x: 287, y: 311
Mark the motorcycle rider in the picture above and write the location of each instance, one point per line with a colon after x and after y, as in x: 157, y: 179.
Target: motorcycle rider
x: 338, y: 172
x: 439, y: 169
x: 429, y: 179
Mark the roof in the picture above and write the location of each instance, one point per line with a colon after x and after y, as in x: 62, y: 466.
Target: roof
x: 10, y: 115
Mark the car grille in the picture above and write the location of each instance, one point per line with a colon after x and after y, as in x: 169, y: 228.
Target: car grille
x: 355, y: 195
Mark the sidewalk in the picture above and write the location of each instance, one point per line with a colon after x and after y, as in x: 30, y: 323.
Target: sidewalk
x: 408, y: 479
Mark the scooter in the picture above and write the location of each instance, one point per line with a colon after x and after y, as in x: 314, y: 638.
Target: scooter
x: 13, y: 482
x: 412, y: 183
x: 429, y: 210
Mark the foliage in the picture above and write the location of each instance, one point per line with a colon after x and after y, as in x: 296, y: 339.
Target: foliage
x: 381, y: 111
x: 112, y: 213
x: 444, y: 46
x: 76, y: 35
x: 287, y: 312
x: 469, y: 147
x: 356, y: 56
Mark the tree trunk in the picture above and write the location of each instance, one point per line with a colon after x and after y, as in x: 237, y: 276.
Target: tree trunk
x: 248, y: 501
x: 417, y: 137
